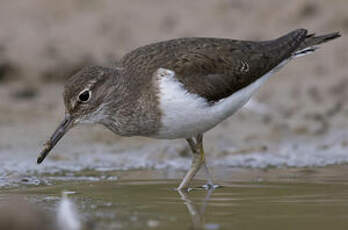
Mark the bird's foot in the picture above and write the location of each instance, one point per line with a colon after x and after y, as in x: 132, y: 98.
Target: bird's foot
x: 210, y: 186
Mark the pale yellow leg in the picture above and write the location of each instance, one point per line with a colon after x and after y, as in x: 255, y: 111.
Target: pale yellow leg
x: 198, y: 159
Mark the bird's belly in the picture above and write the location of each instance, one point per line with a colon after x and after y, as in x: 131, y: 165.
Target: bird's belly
x: 187, y: 120
x: 186, y: 115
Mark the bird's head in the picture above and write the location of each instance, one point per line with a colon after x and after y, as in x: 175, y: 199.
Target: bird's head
x: 86, y: 93
x: 86, y: 96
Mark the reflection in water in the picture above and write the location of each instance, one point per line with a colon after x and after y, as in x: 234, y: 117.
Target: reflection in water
x: 19, y: 214
x: 67, y: 215
x: 197, y: 214
x: 150, y: 204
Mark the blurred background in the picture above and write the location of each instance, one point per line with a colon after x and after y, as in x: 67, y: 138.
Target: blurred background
x: 297, y: 119
x: 46, y: 41
x: 43, y: 43
x: 294, y: 130
x: 302, y: 110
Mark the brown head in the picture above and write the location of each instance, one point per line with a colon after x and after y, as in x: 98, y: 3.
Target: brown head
x: 86, y: 95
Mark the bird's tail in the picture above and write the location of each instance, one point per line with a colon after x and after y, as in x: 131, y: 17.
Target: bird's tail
x: 311, y: 42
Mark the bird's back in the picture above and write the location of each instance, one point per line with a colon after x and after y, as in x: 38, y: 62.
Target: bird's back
x: 213, y: 68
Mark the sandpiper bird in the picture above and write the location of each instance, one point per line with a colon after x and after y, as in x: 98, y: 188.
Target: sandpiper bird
x: 179, y: 88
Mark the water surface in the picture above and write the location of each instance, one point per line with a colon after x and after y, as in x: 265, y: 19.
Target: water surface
x: 286, y: 201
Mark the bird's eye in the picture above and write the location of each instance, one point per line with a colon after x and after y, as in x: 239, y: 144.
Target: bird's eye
x: 84, y: 96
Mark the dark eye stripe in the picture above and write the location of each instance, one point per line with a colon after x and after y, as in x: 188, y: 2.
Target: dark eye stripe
x: 84, y: 96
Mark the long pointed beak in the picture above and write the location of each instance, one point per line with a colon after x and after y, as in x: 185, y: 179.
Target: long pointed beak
x: 63, y: 127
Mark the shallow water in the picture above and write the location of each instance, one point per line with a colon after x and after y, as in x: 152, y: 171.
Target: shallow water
x: 275, y: 199
x: 292, y: 182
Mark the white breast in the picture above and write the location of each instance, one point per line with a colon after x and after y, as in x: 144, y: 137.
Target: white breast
x: 186, y: 115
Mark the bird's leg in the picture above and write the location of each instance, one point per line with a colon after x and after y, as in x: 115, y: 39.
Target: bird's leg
x: 198, y: 159
x: 209, y: 184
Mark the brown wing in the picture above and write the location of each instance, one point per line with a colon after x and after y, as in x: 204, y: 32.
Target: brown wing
x: 211, y: 67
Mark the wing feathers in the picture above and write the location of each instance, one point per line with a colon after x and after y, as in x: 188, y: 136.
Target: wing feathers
x: 216, y: 68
